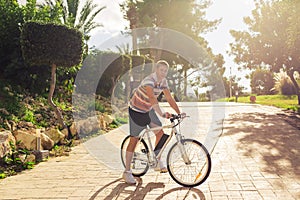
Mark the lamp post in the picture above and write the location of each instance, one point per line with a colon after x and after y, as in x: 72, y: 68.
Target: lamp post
x: 236, y: 95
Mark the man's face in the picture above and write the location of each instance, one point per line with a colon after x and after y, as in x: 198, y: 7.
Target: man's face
x: 161, y: 71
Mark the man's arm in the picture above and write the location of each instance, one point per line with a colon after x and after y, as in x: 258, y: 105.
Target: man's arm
x: 153, y: 100
x: 171, y: 100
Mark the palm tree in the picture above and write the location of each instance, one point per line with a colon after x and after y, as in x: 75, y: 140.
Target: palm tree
x: 77, y: 17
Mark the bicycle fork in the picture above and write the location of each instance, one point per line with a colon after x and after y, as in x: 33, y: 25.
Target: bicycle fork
x: 182, y: 149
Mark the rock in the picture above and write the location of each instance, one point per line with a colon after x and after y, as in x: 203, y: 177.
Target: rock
x: 41, y: 155
x: 65, y: 132
x: 73, y: 129
x: 25, y: 125
x: 5, y: 138
x: 28, y: 140
x: 46, y: 142
x: 29, y: 158
x: 55, y: 135
x: 86, y: 126
x: 102, y: 122
x: 108, y: 119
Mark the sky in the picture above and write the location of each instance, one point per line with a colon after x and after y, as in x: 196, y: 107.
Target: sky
x: 231, y: 12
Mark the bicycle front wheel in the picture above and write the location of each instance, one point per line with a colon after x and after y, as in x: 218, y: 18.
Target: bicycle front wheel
x: 139, y: 163
x: 193, y: 173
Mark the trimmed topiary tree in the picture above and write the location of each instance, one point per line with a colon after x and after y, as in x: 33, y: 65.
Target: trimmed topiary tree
x: 53, y: 45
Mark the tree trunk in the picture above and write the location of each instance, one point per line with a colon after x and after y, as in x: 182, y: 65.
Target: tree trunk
x: 156, y: 40
x: 134, y: 41
x: 291, y: 75
x: 50, y: 96
x: 185, y: 82
x: 179, y: 86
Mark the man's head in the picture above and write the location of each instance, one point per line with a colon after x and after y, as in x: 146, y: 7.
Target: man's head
x: 161, y: 69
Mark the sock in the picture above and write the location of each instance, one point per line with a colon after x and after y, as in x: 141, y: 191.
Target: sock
x: 161, y: 143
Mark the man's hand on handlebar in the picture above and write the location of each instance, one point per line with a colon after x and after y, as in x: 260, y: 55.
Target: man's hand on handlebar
x: 168, y: 115
x: 182, y: 115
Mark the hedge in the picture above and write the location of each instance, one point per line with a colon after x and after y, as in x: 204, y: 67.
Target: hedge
x: 47, y: 44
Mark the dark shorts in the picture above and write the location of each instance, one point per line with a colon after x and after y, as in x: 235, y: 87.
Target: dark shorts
x: 139, y: 121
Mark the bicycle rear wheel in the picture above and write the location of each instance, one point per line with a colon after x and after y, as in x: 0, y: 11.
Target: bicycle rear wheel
x: 189, y: 174
x: 139, y: 163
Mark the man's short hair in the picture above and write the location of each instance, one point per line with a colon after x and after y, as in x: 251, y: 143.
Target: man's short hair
x: 162, y: 62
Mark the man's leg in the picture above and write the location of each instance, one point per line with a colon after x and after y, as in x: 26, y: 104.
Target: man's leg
x: 127, y: 174
x: 155, y: 122
x: 129, y: 151
x: 158, y: 135
x: 161, y: 166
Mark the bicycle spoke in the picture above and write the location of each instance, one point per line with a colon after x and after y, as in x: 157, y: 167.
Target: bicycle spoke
x: 193, y: 173
x: 139, y: 164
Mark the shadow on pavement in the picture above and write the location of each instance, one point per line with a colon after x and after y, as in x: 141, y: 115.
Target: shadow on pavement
x: 125, y: 191
x: 269, y: 136
x: 194, y: 192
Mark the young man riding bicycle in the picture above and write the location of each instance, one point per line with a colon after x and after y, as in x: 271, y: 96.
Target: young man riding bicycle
x: 143, y: 107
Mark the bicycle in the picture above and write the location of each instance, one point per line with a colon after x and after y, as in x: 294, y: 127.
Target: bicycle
x: 188, y: 161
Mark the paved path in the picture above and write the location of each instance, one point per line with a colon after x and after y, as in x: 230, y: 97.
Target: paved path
x: 256, y: 157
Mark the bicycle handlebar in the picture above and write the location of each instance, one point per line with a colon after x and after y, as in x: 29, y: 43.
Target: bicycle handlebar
x: 178, y: 117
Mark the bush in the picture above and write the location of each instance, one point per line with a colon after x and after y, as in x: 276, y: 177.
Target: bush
x: 97, y: 106
x: 47, y: 44
x: 287, y: 88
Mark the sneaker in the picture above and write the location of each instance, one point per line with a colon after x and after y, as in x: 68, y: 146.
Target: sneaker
x: 128, y: 177
x: 161, y: 167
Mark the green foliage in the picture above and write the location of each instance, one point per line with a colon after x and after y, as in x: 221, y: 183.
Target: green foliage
x: 2, y: 175
x: 65, y: 47
x: 283, y: 84
x: 272, y: 38
x: 78, y: 15
x: 287, y: 88
x: 97, y: 106
x: 10, y: 107
x: 118, y: 122
x: 113, y: 68
x: 29, y: 116
x: 12, y: 163
x: 231, y: 86
x: 16, y: 105
x: 137, y: 63
x: 113, y: 125
x: 60, y: 150
x: 262, y: 82
x: 121, y: 120
x: 13, y: 17
x: 288, y: 102
x: 28, y: 165
x: 185, y: 16
x: 63, y: 105
x: 65, y: 82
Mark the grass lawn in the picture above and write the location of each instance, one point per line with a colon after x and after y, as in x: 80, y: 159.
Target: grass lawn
x: 281, y: 101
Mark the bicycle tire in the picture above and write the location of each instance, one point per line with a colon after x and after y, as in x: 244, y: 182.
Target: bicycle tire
x: 193, y: 174
x: 139, y: 164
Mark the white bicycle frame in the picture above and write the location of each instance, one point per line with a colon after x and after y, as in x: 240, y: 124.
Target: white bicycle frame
x: 173, y: 132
